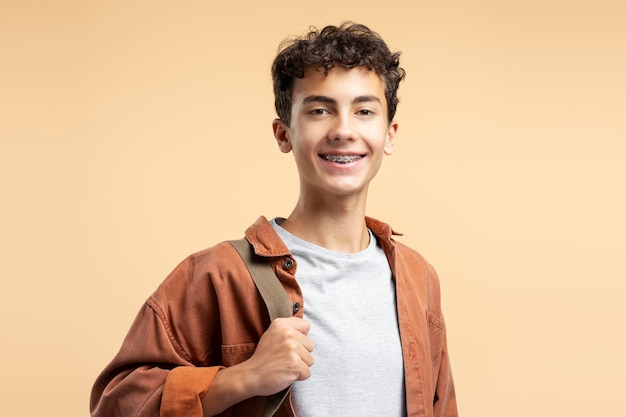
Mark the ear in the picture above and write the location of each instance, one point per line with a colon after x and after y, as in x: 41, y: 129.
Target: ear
x: 390, y: 141
x: 282, y: 135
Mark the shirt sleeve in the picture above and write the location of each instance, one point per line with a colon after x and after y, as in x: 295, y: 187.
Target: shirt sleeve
x: 184, y: 388
x: 156, y: 369
x: 147, y: 369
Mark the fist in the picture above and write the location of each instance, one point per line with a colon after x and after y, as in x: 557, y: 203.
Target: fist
x: 283, y: 355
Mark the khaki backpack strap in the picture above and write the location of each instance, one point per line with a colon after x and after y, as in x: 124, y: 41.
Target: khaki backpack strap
x: 276, y: 300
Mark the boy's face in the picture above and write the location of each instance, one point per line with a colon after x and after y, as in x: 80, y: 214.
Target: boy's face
x: 339, y: 131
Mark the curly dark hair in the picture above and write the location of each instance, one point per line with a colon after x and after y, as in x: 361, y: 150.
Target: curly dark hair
x: 350, y: 45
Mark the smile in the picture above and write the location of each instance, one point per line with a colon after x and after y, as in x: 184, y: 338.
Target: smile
x: 342, y: 159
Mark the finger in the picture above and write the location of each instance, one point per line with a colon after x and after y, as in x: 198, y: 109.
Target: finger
x: 302, y: 370
x: 305, y: 373
x: 305, y: 342
x: 307, y: 358
x: 301, y: 325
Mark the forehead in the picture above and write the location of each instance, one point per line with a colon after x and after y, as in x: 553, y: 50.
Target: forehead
x: 339, y: 83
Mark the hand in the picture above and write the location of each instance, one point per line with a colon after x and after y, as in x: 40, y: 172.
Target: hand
x: 283, y: 355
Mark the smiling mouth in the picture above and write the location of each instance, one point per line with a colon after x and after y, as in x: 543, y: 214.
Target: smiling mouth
x: 342, y: 159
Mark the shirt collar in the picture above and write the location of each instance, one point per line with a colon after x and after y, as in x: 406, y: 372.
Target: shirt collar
x: 266, y: 241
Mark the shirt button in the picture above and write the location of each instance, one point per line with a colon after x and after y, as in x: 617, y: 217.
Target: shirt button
x: 296, y: 307
x: 288, y: 264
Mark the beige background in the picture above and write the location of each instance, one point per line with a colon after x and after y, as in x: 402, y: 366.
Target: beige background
x: 134, y: 133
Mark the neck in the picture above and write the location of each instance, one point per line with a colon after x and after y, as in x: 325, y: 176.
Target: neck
x: 339, y: 226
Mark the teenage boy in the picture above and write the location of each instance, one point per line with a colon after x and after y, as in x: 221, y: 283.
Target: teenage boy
x: 366, y: 309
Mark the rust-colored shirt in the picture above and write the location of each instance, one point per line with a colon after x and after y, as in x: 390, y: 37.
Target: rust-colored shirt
x: 207, y: 314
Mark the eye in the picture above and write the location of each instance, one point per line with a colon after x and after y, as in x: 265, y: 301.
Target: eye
x: 318, y: 112
x: 365, y: 112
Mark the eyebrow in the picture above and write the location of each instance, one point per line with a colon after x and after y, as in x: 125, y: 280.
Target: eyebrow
x: 329, y: 100
x: 365, y: 99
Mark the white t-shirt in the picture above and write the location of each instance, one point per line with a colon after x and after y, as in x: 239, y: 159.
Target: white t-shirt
x: 349, y: 299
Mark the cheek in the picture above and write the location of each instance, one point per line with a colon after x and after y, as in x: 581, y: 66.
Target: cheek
x: 303, y: 142
x: 300, y: 151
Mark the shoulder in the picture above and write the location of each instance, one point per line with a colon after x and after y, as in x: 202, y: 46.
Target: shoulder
x: 409, y: 253
x: 218, y: 257
x: 198, y: 272
x: 413, y: 260
x: 414, y: 271
x: 407, y: 261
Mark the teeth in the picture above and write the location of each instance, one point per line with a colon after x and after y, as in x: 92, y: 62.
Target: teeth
x: 342, y: 159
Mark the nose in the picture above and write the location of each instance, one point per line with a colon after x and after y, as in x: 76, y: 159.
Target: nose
x: 342, y: 128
